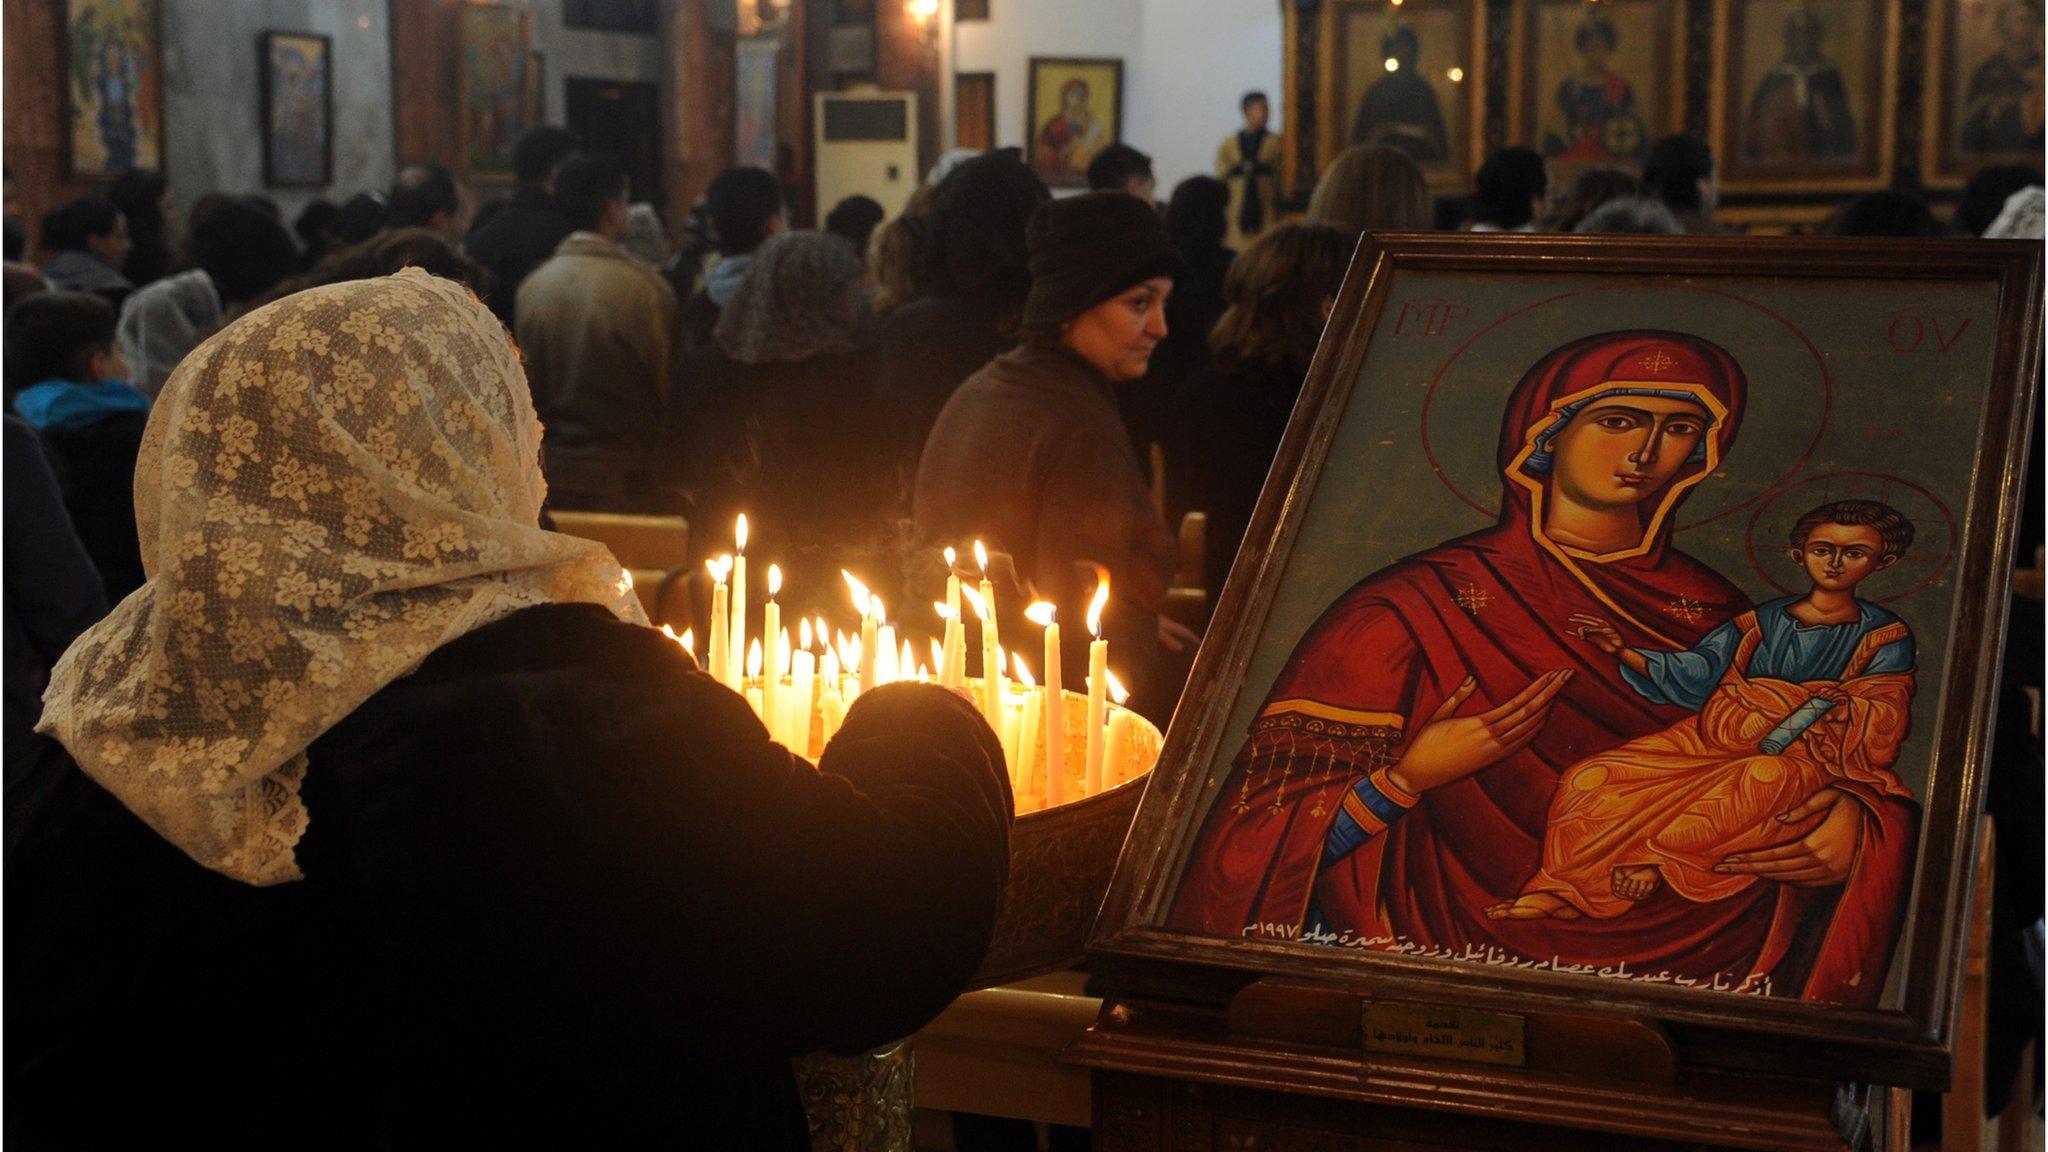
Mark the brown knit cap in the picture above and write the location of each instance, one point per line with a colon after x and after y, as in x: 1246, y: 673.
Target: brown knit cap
x: 1087, y: 248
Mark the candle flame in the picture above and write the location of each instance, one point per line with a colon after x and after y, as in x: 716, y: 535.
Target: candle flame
x: 858, y: 590
x: 950, y: 557
x: 804, y: 633
x: 1024, y: 676
x: 774, y: 580
x: 981, y: 558
x: 754, y: 659
x: 924, y: 674
x: 824, y: 634
x: 944, y: 612
x: 881, y: 613
x: 974, y: 599
x: 1117, y: 691
x: 849, y: 652
x: 905, y: 660
x: 720, y: 567
x: 668, y: 632
x: 782, y: 650
x: 688, y: 640
x: 739, y: 533
x: 939, y: 656
x: 1040, y: 613
x: 1100, y: 602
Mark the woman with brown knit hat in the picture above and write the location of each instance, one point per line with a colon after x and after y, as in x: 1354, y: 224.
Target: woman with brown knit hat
x: 1030, y: 454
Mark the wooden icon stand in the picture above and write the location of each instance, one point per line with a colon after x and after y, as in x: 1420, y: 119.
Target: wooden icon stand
x: 1294, y: 1066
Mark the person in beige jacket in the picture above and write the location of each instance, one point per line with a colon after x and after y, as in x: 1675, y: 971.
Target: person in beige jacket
x: 597, y: 329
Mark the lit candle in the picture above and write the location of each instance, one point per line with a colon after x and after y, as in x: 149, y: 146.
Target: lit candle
x: 803, y: 672
x: 689, y: 642
x: 991, y: 661
x: 1041, y: 614
x: 906, y: 664
x: 991, y: 634
x: 754, y: 670
x: 778, y: 660
x: 1027, y: 729
x: 849, y: 657
x: 1118, y: 753
x: 738, y: 639
x: 956, y: 627
x: 1098, y: 685
x: 721, y: 620
x: 864, y: 602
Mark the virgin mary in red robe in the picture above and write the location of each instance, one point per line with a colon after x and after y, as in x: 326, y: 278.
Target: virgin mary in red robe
x: 1419, y: 872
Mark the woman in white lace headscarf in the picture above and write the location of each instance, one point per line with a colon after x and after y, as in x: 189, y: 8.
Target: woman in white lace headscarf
x: 326, y: 493
x: 539, y: 865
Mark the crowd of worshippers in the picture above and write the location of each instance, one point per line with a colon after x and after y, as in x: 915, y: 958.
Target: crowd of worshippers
x: 1059, y: 377
x: 1064, y: 379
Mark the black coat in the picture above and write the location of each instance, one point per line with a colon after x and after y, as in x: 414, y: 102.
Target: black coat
x: 560, y: 891
x: 791, y: 443
x: 95, y: 467
x: 517, y: 239
x: 1225, y: 427
x: 929, y: 347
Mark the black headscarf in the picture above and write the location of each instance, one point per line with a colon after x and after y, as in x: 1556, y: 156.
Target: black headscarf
x: 975, y: 239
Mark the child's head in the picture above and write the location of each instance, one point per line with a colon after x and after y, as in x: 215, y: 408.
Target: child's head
x: 1841, y: 544
x: 59, y: 336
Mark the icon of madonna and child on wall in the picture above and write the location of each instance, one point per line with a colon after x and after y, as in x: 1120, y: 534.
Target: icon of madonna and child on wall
x: 1663, y: 710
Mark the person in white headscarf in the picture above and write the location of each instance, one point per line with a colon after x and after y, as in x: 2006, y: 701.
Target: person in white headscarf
x: 396, y: 822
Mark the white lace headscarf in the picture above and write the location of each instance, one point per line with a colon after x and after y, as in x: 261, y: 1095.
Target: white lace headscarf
x: 328, y: 490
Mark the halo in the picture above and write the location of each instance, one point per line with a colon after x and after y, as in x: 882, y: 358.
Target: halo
x: 1764, y: 403
x: 1770, y: 525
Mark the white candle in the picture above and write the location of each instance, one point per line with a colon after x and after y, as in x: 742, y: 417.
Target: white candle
x: 738, y: 641
x: 778, y: 653
x: 884, y: 661
x: 1042, y: 614
x: 1098, y: 687
x: 802, y: 677
x: 754, y: 670
x: 721, y: 618
x: 1119, y: 752
x: 864, y: 602
x: 1031, y: 706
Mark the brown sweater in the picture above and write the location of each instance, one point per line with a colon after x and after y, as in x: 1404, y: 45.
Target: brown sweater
x: 1030, y: 455
x: 597, y: 329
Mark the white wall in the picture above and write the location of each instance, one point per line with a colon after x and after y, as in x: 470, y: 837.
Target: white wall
x: 1186, y: 62
x: 1200, y: 58
x: 213, y: 135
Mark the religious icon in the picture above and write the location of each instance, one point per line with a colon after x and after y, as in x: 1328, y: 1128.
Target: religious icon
x: 1076, y: 112
x: 297, y: 110
x: 2002, y: 102
x: 115, y: 87
x: 1801, y: 107
x: 1400, y: 109
x: 1606, y: 626
x: 1598, y: 80
x: 1805, y: 93
x: 1405, y: 77
x: 495, y: 55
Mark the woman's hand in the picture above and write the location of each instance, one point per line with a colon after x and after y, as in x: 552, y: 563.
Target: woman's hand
x: 1450, y: 747
x: 1819, y: 859
x: 1597, y: 632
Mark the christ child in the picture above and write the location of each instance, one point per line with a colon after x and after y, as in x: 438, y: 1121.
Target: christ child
x: 1793, y: 697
